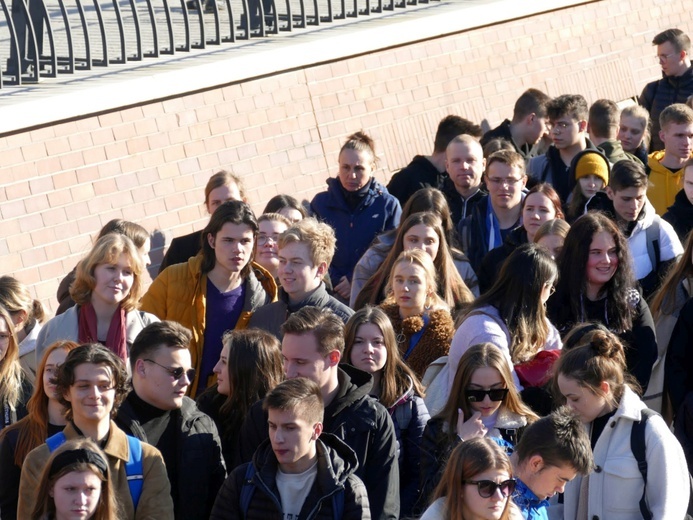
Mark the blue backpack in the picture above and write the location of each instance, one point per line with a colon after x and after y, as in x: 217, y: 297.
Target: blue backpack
x: 133, y: 467
x: 249, y: 488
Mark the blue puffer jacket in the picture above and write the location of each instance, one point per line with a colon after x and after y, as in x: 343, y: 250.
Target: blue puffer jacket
x: 355, y: 230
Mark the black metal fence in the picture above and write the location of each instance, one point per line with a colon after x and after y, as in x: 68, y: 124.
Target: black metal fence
x: 44, y: 38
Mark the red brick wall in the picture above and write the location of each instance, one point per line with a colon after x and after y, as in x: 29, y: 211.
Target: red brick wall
x: 149, y: 164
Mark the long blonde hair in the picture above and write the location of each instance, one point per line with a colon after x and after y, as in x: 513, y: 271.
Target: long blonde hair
x: 11, y: 374
x: 420, y: 258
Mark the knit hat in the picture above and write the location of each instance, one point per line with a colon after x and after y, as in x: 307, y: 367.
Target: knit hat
x: 592, y: 163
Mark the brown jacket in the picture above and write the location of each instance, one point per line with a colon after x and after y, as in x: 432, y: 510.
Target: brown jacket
x: 155, y: 502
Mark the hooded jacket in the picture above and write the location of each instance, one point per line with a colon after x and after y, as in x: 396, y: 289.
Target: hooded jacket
x: 657, y: 95
x: 418, y: 174
x: 363, y: 424
x: 664, y: 184
x: 336, y: 473
x: 614, y: 152
x: 179, y: 294
x: 459, y: 207
x: 680, y: 215
x: 355, y: 229
x: 270, y: 317
x: 201, y: 469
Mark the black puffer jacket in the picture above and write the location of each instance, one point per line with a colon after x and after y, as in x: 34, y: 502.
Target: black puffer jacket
x: 680, y: 215
x: 200, y: 464
x: 658, y: 95
x: 418, y: 174
x: 336, y: 466
x: 365, y: 426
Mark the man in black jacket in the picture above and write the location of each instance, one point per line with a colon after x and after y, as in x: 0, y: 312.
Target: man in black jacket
x: 156, y: 411
x: 312, y: 347
x: 465, y: 163
x: 673, y: 54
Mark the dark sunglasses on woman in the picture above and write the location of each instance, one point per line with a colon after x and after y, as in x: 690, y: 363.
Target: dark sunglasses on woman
x: 487, y: 488
x: 476, y: 396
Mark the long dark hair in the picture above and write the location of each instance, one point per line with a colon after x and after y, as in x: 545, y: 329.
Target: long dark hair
x: 234, y: 212
x: 664, y: 300
x: 572, y: 264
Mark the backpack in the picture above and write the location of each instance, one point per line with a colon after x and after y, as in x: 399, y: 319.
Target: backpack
x: 637, y: 446
x: 652, y: 239
x: 249, y: 488
x: 133, y: 467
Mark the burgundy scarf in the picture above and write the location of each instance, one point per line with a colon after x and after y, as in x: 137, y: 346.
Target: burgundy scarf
x: 116, y: 338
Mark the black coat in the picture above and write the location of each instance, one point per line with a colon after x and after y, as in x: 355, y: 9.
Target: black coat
x: 493, y: 261
x: 336, y: 466
x: 419, y: 173
x: 201, y: 469
x: 474, y: 234
x: 502, y: 131
x: 680, y: 215
x: 365, y: 426
x: 182, y: 249
x: 459, y: 208
x: 678, y: 366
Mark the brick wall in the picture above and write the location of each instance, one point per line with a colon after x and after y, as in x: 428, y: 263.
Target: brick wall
x: 149, y: 164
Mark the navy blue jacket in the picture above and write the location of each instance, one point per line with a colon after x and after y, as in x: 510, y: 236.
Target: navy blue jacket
x: 355, y: 229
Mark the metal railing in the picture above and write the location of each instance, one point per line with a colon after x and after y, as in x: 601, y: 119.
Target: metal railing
x: 44, y: 38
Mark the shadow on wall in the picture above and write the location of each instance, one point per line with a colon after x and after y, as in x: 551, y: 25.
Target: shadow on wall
x: 156, y: 254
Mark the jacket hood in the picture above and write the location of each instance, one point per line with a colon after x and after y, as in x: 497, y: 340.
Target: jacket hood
x: 336, y: 460
x: 682, y: 206
x: 354, y: 385
x: 656, y: 166
x: 630, y: 407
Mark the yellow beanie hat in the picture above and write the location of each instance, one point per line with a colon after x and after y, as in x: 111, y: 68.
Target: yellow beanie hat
x: 592, y: 164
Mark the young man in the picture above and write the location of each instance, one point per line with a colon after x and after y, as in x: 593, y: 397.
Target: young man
x: 91, y: 383
x: 498, y: 213
x: 653, y: 243
x: 221, y: 187
x: 299, y: 467
x: 429, y: 171
x: 550, y: 453
x: 156, y: 411
x: 680, y: 213
x: 215, y: 291
x: 666, y: 167
x: 673, y: 54
x: 465, y: 163
x: 568, y: 125
x: 312, y: 347
x: 602, y: 127
x: 528, y: 125
x: 305, y: 252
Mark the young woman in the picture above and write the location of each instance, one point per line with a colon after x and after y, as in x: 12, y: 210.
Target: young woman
x: 597, y: 284
x: 592, y: 379
x: 633, y: 132
x: 424, y: 200
x: 135, y: 232
x: 540, y: 205
x: 15, y: 388
x: 483, y: 403
x: 477, y: 485
x: 551, y: 236
x: 107, y: 292
x: 250, y: 365
x: 590, y: 169
x: 75, y: 484
x: 370, y: 346
x: 354, y: 200
x: 270, y: 226
x: 422, y: 231
x: 511, y: 314
x: 286, y: 206
x: 27, y: 315
x: 420, y: 318
x: 91, y: 383
x: 46, y: 417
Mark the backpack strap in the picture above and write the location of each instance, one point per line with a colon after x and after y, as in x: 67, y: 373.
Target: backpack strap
x: 134, y: 470
x: 637, y: 446
x: 54, y: 441
x: 338, y: 504
x: 248, y: 489
x: 652, y: 238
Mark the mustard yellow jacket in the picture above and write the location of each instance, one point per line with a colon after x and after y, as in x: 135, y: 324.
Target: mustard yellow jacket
x: 179, y: 294
x: 664, y: 184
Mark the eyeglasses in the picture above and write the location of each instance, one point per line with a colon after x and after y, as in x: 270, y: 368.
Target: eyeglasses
x: 664, y: 57
x: 262, y: 239
x: 487, y: 488
x: 476, y: 396
x: 559, y: 125
x: 507, y: 182
x: 177, y: 372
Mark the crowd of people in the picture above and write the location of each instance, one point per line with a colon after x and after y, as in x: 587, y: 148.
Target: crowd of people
x: 502, y: 332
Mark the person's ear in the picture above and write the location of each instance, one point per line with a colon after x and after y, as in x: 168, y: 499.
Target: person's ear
x: 317, y: 430
x: 524, y: 180
x: 536, y: 463
x: 210, y: 240
x: 662, y: 133
x: 610, y: 193
x: 334, y: 357
x: 139, y: 368
x: 322, y: 269
x: 582, y: 126
x: 605, y: 387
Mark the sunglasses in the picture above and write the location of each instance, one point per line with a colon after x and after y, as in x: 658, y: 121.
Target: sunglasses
x: 476, y: 396
x: 177, y: 372
x: 487, y: 488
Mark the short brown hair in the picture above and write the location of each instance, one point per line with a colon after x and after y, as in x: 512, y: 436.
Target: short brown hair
x: 451, y: 126
x: 169, y: 334
x: 532, y: 101
x: 327, y: 327
x: 223, y: 178
x: 604, y: 118
x: 572, y: 105
x: 628, y: 174
x: 676, y: 37
x: 509, y: 157
x: 678, y: 114
x: 299, y: 395
x: 318, y: 236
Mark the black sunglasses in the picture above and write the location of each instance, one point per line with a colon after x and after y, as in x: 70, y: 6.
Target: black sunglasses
x: 476, y: 396
x: 487, y: 488
x: 177, y: 372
